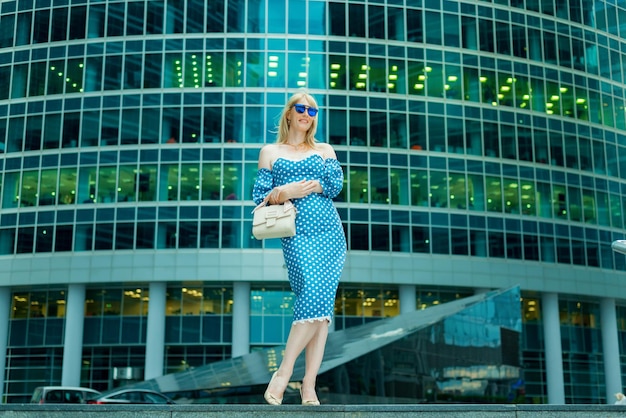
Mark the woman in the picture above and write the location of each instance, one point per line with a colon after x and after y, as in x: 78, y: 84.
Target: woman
x: 300, y: 169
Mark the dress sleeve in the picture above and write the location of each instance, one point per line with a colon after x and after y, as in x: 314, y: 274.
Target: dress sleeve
x: 332, y: 180
x: 263, y: 184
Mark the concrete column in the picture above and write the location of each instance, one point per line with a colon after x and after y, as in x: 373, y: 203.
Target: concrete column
x: 73, y: 342
x: 155, y: 334
x: 553, y: 350
x: 610, y: 348
x: 5, y: 315
x: 241, y: 319
x: 408, y: 298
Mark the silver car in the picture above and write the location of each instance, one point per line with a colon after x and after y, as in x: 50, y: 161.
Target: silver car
x: 130, y: 396
x: 61, y: 394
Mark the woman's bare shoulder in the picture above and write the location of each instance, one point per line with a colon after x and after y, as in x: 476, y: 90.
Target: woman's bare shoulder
x: 268, y: 155
x: 327, y: 150
x: 269, y: 147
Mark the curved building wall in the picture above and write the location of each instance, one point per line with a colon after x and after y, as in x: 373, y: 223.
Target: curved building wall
x: 483, y: 145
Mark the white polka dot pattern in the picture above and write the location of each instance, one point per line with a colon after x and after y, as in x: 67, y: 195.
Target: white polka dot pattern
x: 316, y: 254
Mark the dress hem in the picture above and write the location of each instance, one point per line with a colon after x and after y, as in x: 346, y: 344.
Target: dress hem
x: 312, y: 320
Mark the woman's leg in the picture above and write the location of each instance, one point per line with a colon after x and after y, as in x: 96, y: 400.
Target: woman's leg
x: 300, y: 336
x: 314, y: 355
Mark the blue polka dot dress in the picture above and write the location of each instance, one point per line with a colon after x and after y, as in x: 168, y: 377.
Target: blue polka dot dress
x: 316, y: 254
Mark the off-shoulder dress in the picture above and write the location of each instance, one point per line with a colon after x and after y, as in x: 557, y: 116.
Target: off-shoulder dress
x: 315, y: 256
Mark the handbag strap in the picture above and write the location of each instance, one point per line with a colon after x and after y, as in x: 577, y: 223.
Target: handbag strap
x: 287, y: 205
x: 263, y: 203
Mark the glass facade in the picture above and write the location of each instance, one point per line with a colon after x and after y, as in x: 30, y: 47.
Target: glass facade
x: 581, y: 344
x: 465, y: 350
x: 471, y: 356
x: 481, y: 130
x: 513, y: 117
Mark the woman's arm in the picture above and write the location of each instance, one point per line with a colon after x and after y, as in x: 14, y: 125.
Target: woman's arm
x: 295, y: 190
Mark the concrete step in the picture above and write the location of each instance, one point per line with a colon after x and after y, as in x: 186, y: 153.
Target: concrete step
x: 297, y: 411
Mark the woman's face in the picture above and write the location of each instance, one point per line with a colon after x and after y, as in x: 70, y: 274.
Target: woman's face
x: 300, y: 115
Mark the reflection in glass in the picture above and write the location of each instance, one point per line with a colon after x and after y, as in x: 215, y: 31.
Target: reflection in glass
x: 468, y: 350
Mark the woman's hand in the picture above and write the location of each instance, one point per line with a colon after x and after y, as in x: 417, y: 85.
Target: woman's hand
x: 294, y: 190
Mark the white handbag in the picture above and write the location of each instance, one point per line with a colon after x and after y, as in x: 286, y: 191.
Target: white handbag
x: 274, y: 221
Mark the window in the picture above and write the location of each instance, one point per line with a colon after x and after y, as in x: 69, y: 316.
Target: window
x: 433, y: 26
x: 356, y: 306
x: 415, y: 25
x: 337, y: 19
x: 113, y: 72
x: 48, y: 187
x: 63, y: 238
x: 357, y: 20
x: 419, y: 188
x: 136, y: 17
x: 439, y: 189
x: 399, y: 186
x: 107, y: 189
x: 376, y: 24
x: 169, y: 172
x: 23, y: 33
x: 378, y: 128
x: 297, y: 19
x: 359, y: 237
x: 59, y: 22
x: 451, y: 34
x: 395, y: 24
x: 115, y: 19
x: 270, y: 315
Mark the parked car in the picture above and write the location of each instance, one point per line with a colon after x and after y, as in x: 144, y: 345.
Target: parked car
x: 128, y: 396
x: 61, y: 394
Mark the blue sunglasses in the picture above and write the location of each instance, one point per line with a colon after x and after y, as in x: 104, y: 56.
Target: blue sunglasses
x: 300, y: 108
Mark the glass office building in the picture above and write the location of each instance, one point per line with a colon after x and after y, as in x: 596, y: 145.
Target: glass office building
x: 483, y: 145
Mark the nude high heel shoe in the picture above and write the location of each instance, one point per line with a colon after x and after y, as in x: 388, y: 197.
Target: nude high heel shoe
x: 309, y: 403
x: 269, y: 397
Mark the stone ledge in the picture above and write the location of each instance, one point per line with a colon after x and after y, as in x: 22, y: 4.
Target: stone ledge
x: 297, y: 411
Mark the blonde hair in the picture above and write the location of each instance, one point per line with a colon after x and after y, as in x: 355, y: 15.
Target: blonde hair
x: 283, y: 124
